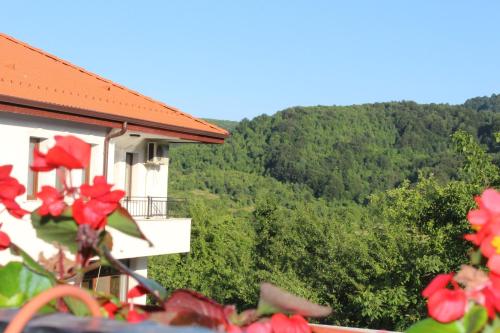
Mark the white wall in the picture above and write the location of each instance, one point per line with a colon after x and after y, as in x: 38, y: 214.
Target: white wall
x: 168, y: 236
x: 147, y: 179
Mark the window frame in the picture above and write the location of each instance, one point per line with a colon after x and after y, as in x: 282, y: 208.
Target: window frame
x: 33, y: 190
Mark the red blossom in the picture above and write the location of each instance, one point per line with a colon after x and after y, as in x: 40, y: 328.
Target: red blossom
x: 101, y: 192
x: 53, y: 201
x: 447, y: 305
x: 439, y: 282
x: 90, y: 213
x: 98, y: 202
x: 233, y: 329
x: 137, y: 291
x: 444, y: 304
x: 111, y: 308
x: 9, y: 190
x: 135, y: 317
x: 259, y: 327
x: 4, y: 241
x: 69, y: 152
x: 295, y: 324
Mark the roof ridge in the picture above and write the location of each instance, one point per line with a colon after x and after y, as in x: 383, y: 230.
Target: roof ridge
x: 117, y: 85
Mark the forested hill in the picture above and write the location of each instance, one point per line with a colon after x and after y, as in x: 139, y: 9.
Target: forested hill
x: 347, y: 152
x: 357, y: 207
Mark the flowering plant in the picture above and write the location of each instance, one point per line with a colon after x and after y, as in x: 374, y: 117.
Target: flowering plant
x: 468, y: 301
x: 75, y: 219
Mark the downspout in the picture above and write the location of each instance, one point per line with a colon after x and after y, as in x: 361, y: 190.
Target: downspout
x: 108, y: 137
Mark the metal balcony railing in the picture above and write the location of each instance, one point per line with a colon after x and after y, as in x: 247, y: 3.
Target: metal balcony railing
x: 162, y: 207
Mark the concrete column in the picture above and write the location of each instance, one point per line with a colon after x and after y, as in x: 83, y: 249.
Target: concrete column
x: 140, y: 266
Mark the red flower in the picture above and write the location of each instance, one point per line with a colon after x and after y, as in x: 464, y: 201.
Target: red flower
x: 259, y: 327
x: 9, y: 190
x: 295, y: 324
x: 101, y: 192
x: 447, y: 305
x: 111, y: 308
x: 69, y: 152
x: 439, y: 282
x: 135, y: 317
x: 233, y: 329
x: 137, y: 291
x: 4, y: 241
x: 444, y: 304
x: 90, y: 213
x: 53, y: 201
x: 101, y: 202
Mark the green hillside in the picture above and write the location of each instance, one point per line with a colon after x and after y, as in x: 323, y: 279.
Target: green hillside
x: 357, y: 207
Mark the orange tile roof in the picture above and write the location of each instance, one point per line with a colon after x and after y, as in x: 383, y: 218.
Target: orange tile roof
x: 32, y: 74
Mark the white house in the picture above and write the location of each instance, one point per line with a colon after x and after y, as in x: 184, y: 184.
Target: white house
x: 42, y: 96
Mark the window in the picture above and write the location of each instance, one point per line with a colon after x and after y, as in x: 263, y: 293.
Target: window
x: 129, y: 162
x: 32, y: 187
x: 86, y: 172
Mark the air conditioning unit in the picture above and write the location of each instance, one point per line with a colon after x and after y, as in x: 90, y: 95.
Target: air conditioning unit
x: 156, y: 153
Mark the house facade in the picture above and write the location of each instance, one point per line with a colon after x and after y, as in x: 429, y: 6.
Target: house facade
x: 42, y: 96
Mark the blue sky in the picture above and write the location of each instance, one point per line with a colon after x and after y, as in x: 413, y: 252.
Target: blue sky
x: 237, y: 59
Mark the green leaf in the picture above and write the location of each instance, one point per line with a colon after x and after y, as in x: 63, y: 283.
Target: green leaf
x: 153, y: 287
x: 61, y: 229
x: 430, y: 325
x: 475, y: 319
x: 20, y: 284
x: 76, y: 307
x: 493, y: 327
x: 122, y: 221
x: 12, y: 301
x: 31, y: 264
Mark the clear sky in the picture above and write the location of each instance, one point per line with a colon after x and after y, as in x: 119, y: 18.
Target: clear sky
x: 235, y: 59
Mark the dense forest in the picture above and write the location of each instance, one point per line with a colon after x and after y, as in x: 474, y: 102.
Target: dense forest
x: 355, y: 206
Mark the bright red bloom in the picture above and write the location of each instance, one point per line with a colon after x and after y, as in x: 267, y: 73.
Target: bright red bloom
x: 137, y: 291
x: 259, y: 327
x: 4, y: 241
x: 135, y: 317
x: 101, y: 202
x: 233, y: 329
x: 69, y: 152
x: 40, y: 162
x: 53, y: 201
x: 494, y: 263
x: 439, y: 282
x: 90, y: 213
x: 295, y: 324
x: 101, y: 192
x: 444, y: 304
x: 447, y: 305
x: 9, y: 190
x: 111, y: 308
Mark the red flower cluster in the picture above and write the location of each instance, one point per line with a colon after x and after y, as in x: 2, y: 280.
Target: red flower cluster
x: 52, y: 201
x: 444, y: 304
x: 447, y: 305
x: 279, y: 323
x: 68, y: 152
x: 98, y: 202
x: 4, y: 240
x: 486, y: 221
x: 9, y: 190
x: 132, y: 315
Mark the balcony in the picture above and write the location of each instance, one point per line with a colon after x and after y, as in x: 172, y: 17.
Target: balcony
x: 155, y: 207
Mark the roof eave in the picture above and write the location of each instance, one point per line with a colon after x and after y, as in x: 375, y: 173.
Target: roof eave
x: 54, y: 111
